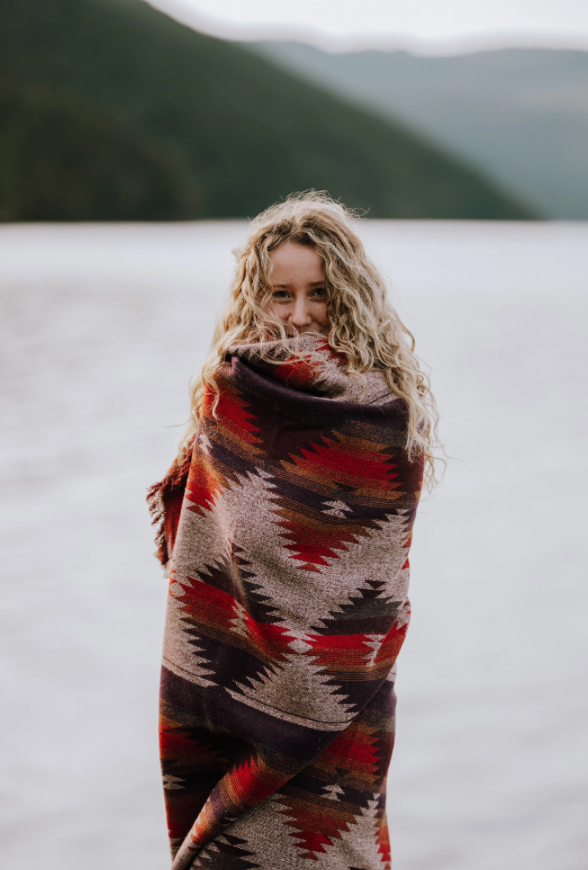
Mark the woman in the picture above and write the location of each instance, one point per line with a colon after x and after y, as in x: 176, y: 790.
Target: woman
x: 285, y: 524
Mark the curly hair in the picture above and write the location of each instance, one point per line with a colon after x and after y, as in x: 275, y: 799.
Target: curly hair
x: 363, y: 325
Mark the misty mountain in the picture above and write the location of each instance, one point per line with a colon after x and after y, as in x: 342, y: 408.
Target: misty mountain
x: 122, y: 112
x: 519, y: 115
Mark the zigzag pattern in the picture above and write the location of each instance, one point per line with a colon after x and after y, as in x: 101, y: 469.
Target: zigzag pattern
x: 287, y: 609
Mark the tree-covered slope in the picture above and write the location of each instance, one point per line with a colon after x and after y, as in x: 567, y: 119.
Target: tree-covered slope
x: 62, y: 161
x: 239, y: 131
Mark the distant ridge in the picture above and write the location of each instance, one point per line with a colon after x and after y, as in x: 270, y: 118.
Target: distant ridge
x: 210, y: 129
x: 520, y: 115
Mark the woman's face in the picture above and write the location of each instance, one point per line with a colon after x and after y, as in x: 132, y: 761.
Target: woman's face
x: 298, y: 287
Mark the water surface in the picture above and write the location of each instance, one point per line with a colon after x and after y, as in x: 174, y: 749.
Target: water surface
x: 101, y: 328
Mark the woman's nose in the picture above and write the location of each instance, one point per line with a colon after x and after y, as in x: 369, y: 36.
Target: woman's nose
x: 300, y: 315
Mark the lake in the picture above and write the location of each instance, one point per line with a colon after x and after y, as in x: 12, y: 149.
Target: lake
x: 101, y: 329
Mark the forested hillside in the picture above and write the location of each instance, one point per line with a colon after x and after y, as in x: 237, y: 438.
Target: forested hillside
x: 62, y: 161
x: 112, y: 110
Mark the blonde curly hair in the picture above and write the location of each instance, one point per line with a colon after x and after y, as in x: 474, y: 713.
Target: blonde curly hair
x: 363, y: 325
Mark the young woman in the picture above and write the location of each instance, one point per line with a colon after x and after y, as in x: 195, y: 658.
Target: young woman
x: 285, y: 524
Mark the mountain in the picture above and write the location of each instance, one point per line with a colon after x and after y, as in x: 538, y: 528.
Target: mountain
x: 519, y: 115
x: 61, y: 160
x: 225, y: 131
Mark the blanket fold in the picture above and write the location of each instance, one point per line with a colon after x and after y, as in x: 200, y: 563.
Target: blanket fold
x: 286, y: 535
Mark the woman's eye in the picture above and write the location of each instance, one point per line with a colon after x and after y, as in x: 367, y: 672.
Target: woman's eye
x: 320, y: 291
x: 281, y: 294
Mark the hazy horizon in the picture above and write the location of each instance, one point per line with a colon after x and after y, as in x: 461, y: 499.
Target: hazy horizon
x: 193, y: 13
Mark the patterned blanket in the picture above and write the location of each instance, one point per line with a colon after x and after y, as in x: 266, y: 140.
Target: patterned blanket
x: 286, y: 536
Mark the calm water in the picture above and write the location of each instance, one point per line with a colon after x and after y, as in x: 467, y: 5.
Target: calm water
x: 101, y: 328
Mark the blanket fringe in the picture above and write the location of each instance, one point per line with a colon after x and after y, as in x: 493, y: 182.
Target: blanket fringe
x: 156, y: 506
x: 157, y: 496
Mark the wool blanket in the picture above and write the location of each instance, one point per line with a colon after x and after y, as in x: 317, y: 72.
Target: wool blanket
x: 286, y: 536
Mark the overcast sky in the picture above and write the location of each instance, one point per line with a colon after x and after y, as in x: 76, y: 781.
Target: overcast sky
x: 437, y: 25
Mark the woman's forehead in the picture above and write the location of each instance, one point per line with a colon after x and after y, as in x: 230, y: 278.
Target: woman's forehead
x: 294, y: 257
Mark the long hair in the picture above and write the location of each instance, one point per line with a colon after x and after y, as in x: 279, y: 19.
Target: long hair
x: 363, y: 326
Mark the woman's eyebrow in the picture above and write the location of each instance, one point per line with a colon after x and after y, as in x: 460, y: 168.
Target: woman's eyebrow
x: 289, y: 286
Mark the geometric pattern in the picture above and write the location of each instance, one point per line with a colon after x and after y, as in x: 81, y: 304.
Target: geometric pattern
x: 286, y: 537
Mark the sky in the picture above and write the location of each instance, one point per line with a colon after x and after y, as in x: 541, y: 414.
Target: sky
x: 430, y: 26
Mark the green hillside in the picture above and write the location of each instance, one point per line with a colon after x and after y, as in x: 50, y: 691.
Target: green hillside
x: 62, y: 161
x: 224, y: 131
